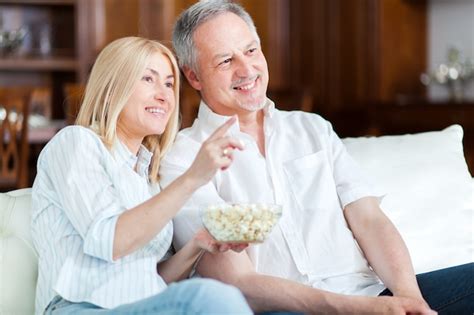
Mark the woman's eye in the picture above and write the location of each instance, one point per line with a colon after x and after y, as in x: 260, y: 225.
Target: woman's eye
x: 252, y: 50
x: 147, y: 78
x: 169, y: 84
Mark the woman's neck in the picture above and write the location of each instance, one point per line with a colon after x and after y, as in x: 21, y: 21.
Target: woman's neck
x: 132, y: 143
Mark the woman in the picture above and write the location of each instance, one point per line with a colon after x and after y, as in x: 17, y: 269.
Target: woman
x: 100, y: 224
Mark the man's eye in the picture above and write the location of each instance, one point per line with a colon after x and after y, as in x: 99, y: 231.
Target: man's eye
x: 252, y: 50
x: 227, y: 61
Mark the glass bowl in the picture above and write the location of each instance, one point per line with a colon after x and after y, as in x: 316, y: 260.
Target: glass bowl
x: 240, y: 222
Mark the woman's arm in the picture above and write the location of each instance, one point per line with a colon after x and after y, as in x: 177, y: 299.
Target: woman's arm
x: 179, y: 266
x: 137, y: 226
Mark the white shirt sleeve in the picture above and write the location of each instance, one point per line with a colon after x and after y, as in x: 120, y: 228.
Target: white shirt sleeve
x: 351, y: 182
x: 75, y: 165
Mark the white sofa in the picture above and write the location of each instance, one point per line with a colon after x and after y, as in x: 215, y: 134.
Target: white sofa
x: 428, y: 193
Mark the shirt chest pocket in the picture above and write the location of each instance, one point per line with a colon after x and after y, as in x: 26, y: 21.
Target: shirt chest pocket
x: 310, y: 181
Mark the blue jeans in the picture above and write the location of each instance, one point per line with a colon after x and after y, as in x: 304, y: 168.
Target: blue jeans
x: 195, y: 296
x: 448, y: 291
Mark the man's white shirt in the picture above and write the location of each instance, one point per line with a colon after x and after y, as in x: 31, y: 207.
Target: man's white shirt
x: 307, y: 170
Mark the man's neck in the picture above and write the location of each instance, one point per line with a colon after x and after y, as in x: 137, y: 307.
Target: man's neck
x: 252, y: 124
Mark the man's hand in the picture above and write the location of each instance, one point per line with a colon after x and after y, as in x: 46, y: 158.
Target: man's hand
x: 402, y: 305
x: 414, y: 295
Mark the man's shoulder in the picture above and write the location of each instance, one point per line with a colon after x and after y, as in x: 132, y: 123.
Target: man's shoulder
x: 299, y: 115
x: 185, y: 146
x: 303, y: 119
x: 192, y: 136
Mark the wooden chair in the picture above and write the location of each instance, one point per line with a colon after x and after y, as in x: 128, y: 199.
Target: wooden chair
x: 40, y: 102
x: 74, y: 94
x: 14, y: 110
x: 292, y: 99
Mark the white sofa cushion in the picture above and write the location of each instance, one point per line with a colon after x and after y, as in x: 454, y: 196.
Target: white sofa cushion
x: 428, y: 192
x: 18, y: 259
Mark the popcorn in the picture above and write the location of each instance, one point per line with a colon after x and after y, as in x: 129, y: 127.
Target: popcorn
x: 246, y: 223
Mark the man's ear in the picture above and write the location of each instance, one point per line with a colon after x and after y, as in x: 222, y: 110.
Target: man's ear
x: 192, y: 78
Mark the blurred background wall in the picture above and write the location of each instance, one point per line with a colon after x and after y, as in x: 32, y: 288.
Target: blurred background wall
x: 450, y: 24
x: 358, y: 63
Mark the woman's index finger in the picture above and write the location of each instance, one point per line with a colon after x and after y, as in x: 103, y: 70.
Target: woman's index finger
x: 222, y: 129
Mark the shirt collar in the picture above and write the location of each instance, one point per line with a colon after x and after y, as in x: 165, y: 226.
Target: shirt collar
x: 211, y: 120
x: 141, y: 161
x: 269, y: 108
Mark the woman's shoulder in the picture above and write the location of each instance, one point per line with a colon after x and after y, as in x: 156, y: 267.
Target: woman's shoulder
x: 74, y: 138
x: 71, y: 133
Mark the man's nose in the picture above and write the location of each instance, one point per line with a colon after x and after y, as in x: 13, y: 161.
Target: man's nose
x: 244, y: 68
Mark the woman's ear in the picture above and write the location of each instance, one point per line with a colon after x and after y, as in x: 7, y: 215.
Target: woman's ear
x: 192, y: 78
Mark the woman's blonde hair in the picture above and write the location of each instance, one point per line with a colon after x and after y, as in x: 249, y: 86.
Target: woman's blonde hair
x: 114, y: 74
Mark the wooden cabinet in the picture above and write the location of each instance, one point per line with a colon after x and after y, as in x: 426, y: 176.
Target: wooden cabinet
x: 53, y: 52
x: 353, y: 53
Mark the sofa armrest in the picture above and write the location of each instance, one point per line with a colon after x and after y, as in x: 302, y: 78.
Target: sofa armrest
x: 18, y: 259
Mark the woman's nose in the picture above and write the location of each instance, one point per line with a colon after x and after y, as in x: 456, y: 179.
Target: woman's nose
x: 160, y: 94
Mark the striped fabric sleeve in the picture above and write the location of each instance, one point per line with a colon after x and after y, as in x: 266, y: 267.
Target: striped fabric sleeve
x: 75, y: 163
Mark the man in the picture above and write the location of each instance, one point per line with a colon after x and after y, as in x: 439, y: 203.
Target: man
x: 333, y: 251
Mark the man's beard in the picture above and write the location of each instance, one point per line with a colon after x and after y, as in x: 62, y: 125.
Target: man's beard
x: 253, y: 105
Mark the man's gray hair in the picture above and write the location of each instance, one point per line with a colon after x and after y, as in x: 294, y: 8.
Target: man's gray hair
x: 192, y: 18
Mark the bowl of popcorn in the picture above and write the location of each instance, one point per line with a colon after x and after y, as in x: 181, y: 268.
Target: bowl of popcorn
x: 240, y: 222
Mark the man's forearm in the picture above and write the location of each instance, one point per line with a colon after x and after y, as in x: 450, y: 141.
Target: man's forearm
x: 389, y: 257
x: 268, y: 293
x: 383, y: 246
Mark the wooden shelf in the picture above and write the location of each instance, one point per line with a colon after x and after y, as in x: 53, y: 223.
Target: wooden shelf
x: 38, y: 64
x: 423, y: 116
x: 65, y: 24
x: 39, y: 2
